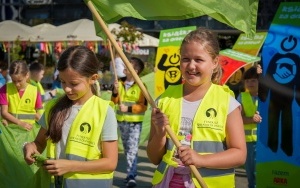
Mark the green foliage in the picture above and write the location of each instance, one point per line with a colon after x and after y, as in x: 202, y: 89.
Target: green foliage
x: 149, y: 65
x: 16, y: 51
x: 127, y: 33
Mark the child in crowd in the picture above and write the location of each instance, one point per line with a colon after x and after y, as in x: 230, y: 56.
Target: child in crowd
x: 20, y: 101
x: 131, y: 107
x: 251, y: 117
x: 37, y: 71
x: 3, y: 72
x: 79, y: 129
x: 205, y: 117
x: 21, y: 106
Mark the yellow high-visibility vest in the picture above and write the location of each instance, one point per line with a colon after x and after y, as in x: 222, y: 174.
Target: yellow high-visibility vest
x: 23, y: 107
x: 250, y: 108
x: 208, y: 132
x: 82, y: 143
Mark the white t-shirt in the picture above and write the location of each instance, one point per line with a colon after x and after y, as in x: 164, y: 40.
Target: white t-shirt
x: 188, y: 112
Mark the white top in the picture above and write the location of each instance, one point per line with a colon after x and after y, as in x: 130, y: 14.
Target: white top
x: 120, y: 66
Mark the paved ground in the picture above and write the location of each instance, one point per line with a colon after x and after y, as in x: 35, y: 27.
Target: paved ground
x: 146, y: 169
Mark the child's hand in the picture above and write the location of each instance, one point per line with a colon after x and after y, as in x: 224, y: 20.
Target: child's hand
x: 116, y: 87
x: 123, y: 108
x: 257, y: 118
x: 53, y: 93
x: 58, y: 167
x: 4, y: 122
x: 25, y: 125
x: 30, y: 152
x: 187, y: 155
x: 159, y: 120
x: 258, y: 69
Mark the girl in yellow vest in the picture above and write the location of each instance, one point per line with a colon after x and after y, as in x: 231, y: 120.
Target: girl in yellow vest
x: 79, y: 129
x: 20, y: 102
x: 251, y: 117
x: 20, y: 109
x: 205, y: 117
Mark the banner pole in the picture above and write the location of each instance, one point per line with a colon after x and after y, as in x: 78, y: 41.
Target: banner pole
x: 141, y: 85
x: 113, y: 64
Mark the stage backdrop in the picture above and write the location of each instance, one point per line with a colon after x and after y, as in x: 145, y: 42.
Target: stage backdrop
x: 278, y: 146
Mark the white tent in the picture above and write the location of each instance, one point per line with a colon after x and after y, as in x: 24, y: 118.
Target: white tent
x: 79, y: 30
x: 11, y: 31
x: 148, y: 40
x: 38, y: 30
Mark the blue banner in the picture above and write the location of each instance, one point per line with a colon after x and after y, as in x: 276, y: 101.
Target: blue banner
x: 278, y: 145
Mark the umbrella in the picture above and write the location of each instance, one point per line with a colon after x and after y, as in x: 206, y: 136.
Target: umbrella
x: 79, y: 30
x: 12, y: 30
x: 39, y: 30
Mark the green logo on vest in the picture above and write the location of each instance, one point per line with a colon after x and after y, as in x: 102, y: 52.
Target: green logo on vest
x: 27, y: 101
x: 211, y: 113
x: 85, y: 128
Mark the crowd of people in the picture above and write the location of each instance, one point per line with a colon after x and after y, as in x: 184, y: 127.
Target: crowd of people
x: 74, y: 132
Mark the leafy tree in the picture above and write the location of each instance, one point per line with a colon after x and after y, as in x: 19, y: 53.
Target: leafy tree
x: 16, y: 51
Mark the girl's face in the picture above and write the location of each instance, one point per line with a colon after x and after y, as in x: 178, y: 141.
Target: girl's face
x: 76, y: 86
x: 20, y: 80
x: 196, y: 64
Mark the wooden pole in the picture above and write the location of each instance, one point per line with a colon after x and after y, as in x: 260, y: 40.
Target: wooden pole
x: 141, y: 85
x: 113, y: 64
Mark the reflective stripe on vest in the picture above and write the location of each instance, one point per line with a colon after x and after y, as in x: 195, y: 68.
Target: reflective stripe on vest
x: 82, y: 143
x: 210, y: 120
x: 129, y: 97
x: 24, y: 116
x: 202, y: 146
x: 24, y: 106
x: 249, y: 107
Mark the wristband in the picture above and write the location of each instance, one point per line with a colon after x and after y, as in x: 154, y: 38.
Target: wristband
x: 24, y: 144
x: 51, y: 94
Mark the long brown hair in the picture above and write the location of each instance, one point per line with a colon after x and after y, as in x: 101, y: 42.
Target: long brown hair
x: 83, y: 61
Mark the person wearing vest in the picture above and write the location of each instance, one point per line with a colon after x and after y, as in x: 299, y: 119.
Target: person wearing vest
x: 205, y: 118
x: 130, y: 110
x: 3, y: 72
x: 79, y: 129
x: 21, y: 104
x: 251, y: 117
x: 36, y: 74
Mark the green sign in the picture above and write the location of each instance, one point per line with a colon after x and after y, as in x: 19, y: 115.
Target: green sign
x: 288, y: 14
x: 240, y: 56
x: 174, y: 37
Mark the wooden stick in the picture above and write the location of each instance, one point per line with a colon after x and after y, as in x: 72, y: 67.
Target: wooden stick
x: 113, y: 64
x: 141, y: 85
